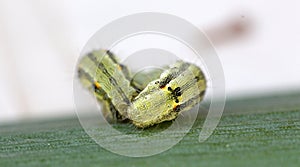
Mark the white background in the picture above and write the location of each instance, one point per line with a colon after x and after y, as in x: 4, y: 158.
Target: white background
x: 40, y: 42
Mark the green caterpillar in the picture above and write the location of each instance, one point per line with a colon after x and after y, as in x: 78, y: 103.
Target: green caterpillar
x: 178, y: 89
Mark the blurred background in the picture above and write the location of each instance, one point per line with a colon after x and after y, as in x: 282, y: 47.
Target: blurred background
x: 40, y: 42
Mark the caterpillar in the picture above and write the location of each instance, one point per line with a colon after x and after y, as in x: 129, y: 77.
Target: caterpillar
x: 108, y: 81
x: 179, y: 88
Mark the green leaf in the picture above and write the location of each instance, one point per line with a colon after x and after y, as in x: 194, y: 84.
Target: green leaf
x: 257, y: 131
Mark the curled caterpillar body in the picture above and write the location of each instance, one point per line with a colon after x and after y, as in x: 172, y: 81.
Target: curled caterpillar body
x: 177, y: 89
